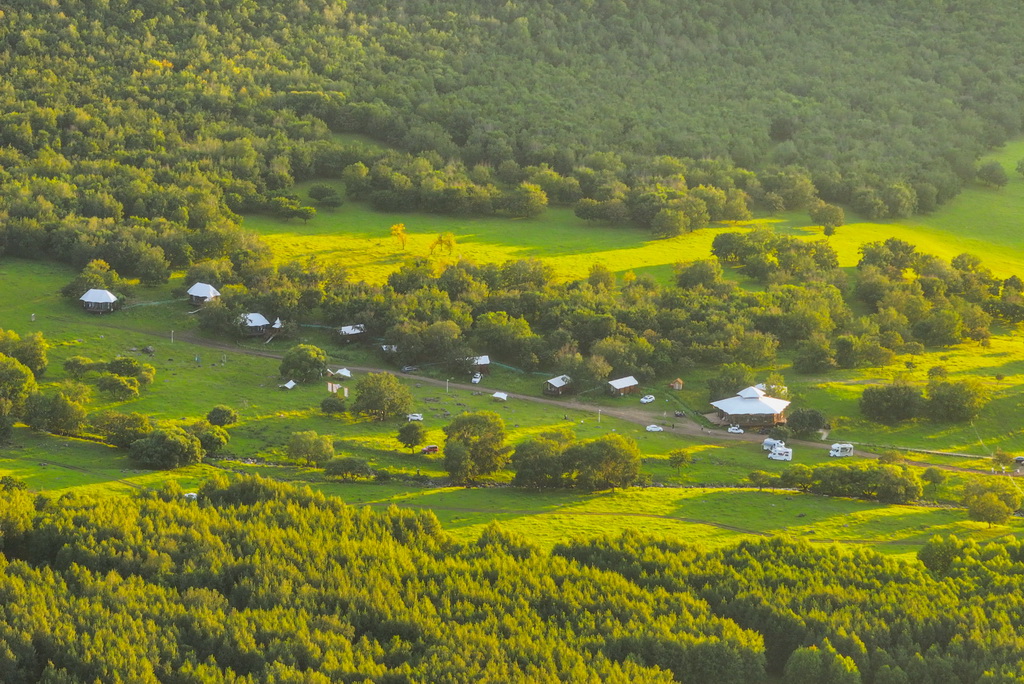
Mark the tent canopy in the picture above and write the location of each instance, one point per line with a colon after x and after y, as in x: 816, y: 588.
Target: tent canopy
x: 99, y: 297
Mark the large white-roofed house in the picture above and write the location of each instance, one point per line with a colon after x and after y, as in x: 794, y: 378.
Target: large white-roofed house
x: 99, y: 301
x: 751, y: 406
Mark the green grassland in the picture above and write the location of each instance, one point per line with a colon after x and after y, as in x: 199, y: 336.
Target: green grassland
x: 192, y: 378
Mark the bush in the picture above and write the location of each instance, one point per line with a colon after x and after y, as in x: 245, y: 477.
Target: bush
x: 891, y: 403
x: 333, y: 405
x: 348, y: 468
x: 117, y: 386
x: 169, y: 447
x: 222, y: 415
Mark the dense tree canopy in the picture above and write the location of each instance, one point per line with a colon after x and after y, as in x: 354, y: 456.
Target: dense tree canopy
x: 155, y: 588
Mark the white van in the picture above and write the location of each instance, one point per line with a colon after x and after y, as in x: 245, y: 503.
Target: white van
x: 768, y: 444
x: 840, y: 450
x: 781, y: 453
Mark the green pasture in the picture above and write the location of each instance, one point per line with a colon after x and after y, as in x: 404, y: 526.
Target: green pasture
x: 981, y: 220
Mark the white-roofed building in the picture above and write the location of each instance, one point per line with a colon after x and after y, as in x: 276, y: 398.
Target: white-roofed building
x: 621, y: 386
x: 558, y: 386
x: 348, y: 332
x: 751, y: 406
x: 98, y: 301
x: 254, y: 323
x: 200, y: 293
x: 480, y: 363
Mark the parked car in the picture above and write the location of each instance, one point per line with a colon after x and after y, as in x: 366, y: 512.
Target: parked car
x: 1019, y: 460
x: 647, y: 399
x: 655, y: 428
x: 735, y: 429
x: 415, y: 416
x: 410, y: 369
x: 477, y: 377
x: 429, y: 449
x: 680, y: 414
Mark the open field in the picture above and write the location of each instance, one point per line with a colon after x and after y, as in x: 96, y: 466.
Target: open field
x: 981, y: 220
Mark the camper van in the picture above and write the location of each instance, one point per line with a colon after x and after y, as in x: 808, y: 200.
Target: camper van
x: 768, y: 444
x: 781, y: 453
x: 840, y: 450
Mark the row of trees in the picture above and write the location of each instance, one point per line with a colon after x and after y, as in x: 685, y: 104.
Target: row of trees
x: 943, y: 400
x: 885, y: 482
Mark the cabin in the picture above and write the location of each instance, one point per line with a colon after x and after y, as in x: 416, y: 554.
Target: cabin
x: 351, y: 332
x: 623, y: 386
x: 751, y: 407
x: 254, y: 324
x: 480, y: 364
x: 558, y: 386
x: 99, y: 301
x: 201, y: 293
x: 676, y: 384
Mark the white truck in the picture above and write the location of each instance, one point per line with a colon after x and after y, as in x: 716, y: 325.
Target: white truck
x: 768, y: 444
x: 840, y: 450
x: 781, y: 453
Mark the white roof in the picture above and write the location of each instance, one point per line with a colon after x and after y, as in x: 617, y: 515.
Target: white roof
x: 751, y: 402
x: 341, y: 372
x: 99, y: 296
x: 255, y: 320
x: 203, y: 290
x: 351, y: 329
x: 289, y: 384
x: 622, y: 383
x: 480, y: 360
x: 500, y: 395
x: 560, y: 381
x: 277, y: 324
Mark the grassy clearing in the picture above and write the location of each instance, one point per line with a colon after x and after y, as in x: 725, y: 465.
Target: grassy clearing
x: 981, y: 220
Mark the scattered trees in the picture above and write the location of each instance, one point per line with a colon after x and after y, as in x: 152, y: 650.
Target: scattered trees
x: 991, y: 500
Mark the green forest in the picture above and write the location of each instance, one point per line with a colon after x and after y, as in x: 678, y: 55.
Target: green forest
x: 144, y: 146
x: 255, y: 581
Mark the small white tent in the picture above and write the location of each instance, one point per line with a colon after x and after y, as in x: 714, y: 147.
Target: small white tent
x: 98, y: 301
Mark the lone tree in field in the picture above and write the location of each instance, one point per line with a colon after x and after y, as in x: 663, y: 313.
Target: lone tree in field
x: 828, y: 216
x: 304, y: 363
x: 933, y: 476
x: 679, y: 459
x: 398, y: 232
x: 483, y: 435
x: 606, y: 462
x: 310, y: 447
x: 381, y: 395
x: 412, y: 434
x: 991, y: 500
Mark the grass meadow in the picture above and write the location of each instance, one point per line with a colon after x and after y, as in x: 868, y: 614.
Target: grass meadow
x: 700, y: 502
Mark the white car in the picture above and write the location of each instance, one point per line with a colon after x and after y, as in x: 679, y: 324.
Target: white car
x: 735, y: 429
x: 655, y: 428
x: 647, y: 399
x: 415, y: 416
x: 477, y: 377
